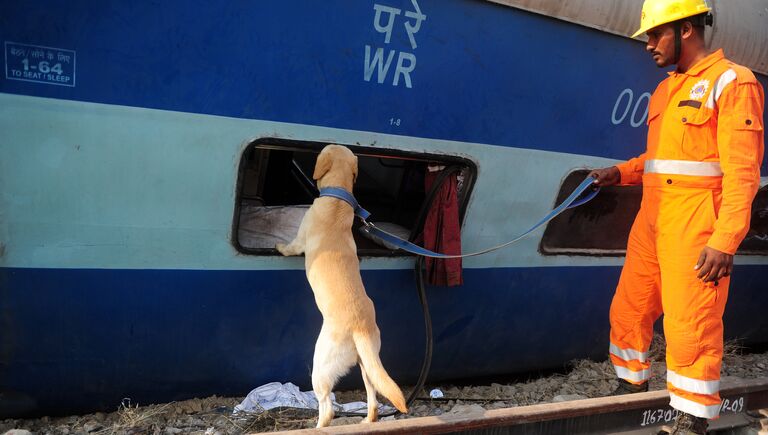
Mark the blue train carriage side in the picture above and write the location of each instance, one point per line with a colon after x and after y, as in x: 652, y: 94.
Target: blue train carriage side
x: 151, y: 154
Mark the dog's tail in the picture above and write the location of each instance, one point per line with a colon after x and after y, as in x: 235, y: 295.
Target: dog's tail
x: 369, y: 358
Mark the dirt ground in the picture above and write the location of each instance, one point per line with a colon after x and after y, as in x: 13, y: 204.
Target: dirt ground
x: 213, y: 415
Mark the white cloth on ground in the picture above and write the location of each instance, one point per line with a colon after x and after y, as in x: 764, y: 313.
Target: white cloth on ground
x: 275, y: 395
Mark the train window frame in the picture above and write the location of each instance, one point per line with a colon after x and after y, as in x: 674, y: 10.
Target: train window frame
x: 627, y: 199
x: 389, y: 155
x: 562, y: 230
x: 758, y: 219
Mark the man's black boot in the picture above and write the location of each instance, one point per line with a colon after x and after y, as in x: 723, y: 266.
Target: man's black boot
x: 629, y: 388
x: 687, y: 424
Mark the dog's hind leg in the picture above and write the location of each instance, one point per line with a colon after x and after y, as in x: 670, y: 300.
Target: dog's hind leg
x: 373, y: 406
x: 332, y: 360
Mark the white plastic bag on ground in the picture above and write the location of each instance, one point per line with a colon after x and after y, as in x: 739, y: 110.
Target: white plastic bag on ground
x: 275, y: 395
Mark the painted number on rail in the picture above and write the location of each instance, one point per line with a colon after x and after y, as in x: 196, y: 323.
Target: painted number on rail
x: 734, y: 405
x: 629, y: 109
x: 656, y: 416
x: 666, y: 415
x: 34, y: 63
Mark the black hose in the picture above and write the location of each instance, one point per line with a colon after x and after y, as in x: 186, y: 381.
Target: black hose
x: 427, y: 363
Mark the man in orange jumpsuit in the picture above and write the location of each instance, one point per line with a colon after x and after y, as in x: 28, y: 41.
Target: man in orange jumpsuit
x: 700, y: 173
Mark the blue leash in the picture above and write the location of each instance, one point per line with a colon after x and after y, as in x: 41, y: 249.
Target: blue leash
x: 572, y: 201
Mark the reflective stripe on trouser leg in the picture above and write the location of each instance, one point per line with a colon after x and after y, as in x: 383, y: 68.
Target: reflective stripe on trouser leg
x: 693, y: 385
x: 633, y: 376
x: 694, y: 407
x: 628, y: 354
x: 636, y: 305
x: 693, y: 309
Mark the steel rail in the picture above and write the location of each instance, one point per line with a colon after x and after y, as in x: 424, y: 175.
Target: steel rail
x: 633, y: 412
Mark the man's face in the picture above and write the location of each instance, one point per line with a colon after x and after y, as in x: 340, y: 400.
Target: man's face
x: 661, y: 44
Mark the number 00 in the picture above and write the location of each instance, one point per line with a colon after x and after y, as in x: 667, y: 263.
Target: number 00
x: 624, y: 101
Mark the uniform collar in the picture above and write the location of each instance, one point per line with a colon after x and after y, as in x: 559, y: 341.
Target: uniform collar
x: 702, y: 65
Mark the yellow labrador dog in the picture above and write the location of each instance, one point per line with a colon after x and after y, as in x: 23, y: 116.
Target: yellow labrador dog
x: 349, y: 334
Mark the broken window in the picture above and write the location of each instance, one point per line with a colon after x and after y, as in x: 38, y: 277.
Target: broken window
x: 276, y: 188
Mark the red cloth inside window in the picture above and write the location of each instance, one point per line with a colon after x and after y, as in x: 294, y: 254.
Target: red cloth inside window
x: 442, y: 232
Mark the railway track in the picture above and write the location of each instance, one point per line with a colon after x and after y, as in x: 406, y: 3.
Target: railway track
x: 635, y: 414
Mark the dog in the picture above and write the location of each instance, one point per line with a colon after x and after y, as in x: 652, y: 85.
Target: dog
x: 349, y: 334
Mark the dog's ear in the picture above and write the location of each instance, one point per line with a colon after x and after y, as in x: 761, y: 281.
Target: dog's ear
x: 322, y: 165
x: 354, y: 171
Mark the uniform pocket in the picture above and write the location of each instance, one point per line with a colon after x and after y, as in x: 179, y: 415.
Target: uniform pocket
x: 655, y: 108
x: 682, y: 343
x: 654, y: 121
x: 698, y: 136
x: 652, y: 115
x: 748, y: 122
x: 746, y: 134
x: 697, y: 118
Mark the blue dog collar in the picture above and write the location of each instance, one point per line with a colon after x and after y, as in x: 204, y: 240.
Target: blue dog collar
x: 342, y: 194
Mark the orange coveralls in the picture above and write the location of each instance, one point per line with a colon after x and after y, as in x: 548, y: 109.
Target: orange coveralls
x: 700, y: 173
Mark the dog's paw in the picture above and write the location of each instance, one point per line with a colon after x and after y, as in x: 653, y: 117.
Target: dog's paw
x: 282, y: 248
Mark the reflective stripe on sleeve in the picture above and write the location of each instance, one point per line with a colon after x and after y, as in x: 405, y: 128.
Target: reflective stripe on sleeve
x: 683, y: 167
x: 625, y: 373
x: 693, y: 385
x: 693, y: 408
x: 628, y: 354
x: 720, y: 84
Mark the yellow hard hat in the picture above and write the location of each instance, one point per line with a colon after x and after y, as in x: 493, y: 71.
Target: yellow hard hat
x: 658, y: 12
